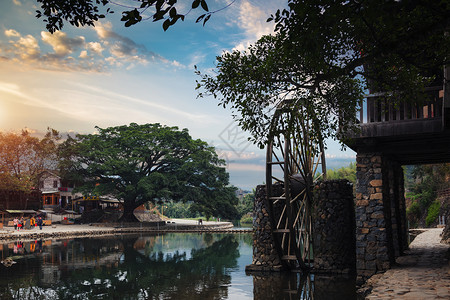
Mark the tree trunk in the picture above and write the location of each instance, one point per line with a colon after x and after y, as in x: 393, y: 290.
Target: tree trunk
x: 128, y: 217
x: 128, y: 212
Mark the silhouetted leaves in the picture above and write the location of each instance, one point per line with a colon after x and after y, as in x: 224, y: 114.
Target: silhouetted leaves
x: 87, y: 12
x: 131, y: 17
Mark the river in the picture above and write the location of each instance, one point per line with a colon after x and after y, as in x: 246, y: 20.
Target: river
x: 165, y: 266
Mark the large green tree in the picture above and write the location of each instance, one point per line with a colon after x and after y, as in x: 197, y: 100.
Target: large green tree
x: 150, y: 162
x: 23, y: 157
x: 323, y: 58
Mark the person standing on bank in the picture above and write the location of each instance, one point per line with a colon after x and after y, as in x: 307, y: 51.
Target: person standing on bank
x: 39, y: 222
x: 32, y: 222
x: 15, y: 222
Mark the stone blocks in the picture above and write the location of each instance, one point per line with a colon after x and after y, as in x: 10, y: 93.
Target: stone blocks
x: 334, y: 227
x: 380, y: 223
x: 265, y: 256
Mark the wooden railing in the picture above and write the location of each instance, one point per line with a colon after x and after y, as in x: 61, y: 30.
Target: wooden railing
x: 377, y: 109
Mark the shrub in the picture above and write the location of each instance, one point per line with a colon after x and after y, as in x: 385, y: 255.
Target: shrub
x: 433, y: 212
x: 414, y: 213
x: 247, y: 218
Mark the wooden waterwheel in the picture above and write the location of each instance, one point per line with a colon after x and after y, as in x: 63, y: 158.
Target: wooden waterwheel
x: 293, y: 165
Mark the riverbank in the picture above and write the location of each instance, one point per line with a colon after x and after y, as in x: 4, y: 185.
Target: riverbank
x: 79, y: 230
x: 423, y: 273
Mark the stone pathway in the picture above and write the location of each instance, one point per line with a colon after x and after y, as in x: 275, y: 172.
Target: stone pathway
x: 423, y: 273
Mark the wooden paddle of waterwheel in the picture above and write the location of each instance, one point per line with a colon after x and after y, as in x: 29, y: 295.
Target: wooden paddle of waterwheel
x: 293, y: 165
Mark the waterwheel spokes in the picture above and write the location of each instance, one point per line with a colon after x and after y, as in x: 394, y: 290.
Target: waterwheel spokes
x: 292, y: 169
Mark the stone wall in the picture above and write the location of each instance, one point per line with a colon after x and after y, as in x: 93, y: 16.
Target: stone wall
x: 265, y: 257
x: 380, y: 213
x: 334, y: 227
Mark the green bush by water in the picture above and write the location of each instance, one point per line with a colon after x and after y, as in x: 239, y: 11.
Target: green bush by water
x: 247, y: 218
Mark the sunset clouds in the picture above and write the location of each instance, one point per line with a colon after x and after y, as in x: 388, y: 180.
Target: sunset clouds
x: 61, y: 52
x: 107, y: 49
x: 48, y: 51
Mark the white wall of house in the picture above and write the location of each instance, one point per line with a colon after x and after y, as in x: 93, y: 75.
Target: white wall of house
x: 49, y: 182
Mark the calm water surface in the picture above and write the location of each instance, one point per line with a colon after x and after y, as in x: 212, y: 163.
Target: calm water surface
x: 167, y: 266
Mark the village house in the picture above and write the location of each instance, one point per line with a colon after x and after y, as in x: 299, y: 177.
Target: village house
x: 55, y: 192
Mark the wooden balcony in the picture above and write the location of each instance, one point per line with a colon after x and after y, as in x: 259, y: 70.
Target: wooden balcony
x: 410, y: 133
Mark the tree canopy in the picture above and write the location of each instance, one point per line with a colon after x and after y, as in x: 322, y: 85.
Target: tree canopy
x: 348, y: 172
x: 23, y: 157
x: 150, y: 162
x: 324, y: 56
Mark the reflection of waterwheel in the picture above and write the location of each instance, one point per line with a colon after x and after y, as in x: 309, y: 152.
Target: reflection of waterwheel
x: 292, y: 168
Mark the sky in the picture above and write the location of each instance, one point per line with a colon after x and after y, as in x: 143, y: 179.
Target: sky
x: 109, y: 75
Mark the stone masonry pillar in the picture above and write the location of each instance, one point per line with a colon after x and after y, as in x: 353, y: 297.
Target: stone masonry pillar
x: 265, y: 256
x: 374, y: 247
x: 334, y: 227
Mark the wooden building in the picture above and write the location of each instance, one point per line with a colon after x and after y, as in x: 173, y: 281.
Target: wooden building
x: 389, y: 137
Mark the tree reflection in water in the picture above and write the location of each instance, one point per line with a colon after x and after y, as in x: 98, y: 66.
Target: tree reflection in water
x: 124, y: 268
x: 170, y: 266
